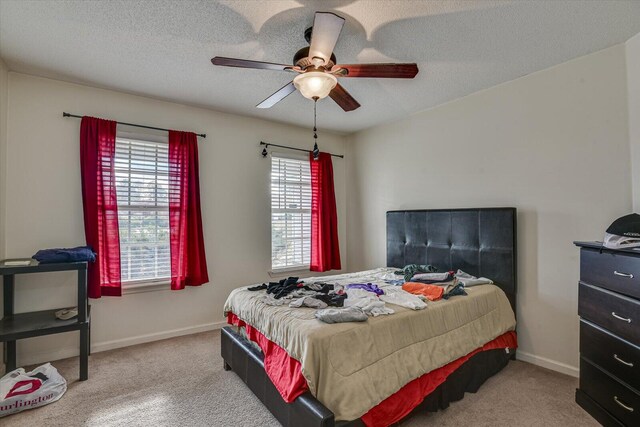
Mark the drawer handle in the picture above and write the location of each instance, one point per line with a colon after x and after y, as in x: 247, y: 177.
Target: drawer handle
x: 629, y: 364
x: 613, y: 313
x: 617, y: 273
x: 628, y: 408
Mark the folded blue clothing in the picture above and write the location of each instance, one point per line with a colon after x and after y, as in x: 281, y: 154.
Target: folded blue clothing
x: 457, y: 290
x: 433, y: 278
x: 79, y: 254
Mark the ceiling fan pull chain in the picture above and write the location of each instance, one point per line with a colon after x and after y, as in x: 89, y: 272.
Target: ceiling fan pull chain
x: 316, y: 151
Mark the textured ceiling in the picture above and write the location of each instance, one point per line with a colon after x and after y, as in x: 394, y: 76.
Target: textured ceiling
x: 163, y: 48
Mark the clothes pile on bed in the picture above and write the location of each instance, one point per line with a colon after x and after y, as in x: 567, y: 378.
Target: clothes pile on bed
x: 355, y: 302
x: 380, y: 334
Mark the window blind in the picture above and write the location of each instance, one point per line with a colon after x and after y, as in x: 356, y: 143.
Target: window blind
x: 142, y: 187
x: 290, y: 213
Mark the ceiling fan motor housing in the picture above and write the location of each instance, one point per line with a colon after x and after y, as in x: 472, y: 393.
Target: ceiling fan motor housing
x: 302, y: 60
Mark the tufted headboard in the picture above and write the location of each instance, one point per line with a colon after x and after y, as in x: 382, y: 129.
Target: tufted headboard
x: 479, y: 241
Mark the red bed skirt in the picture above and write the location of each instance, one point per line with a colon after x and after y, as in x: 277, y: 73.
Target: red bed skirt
x: 286, y: 374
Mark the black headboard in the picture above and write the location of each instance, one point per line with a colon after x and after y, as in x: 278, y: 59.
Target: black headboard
x: 479, y: 241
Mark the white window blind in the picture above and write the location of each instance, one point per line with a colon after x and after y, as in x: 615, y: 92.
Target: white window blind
x: 290, y: 213
x: 142, y: 187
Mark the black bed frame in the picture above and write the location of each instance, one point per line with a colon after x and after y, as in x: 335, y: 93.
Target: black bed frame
x: 480, y: 241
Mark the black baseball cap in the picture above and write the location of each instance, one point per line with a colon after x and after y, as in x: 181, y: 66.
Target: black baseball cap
x: 628, y: 225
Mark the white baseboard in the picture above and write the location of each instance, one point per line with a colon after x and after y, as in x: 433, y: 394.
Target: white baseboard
x: 548, y: 363
x: 157, y: 336
x: 63, y: 353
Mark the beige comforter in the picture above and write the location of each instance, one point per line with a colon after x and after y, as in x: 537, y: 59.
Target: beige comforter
x: 352, y: 367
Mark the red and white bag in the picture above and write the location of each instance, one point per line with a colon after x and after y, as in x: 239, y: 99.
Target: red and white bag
x: 20, y: 390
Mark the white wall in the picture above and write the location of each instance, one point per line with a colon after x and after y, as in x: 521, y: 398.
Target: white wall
x: 44, y: 207
x: 632, y: 47
x: 554, y: 144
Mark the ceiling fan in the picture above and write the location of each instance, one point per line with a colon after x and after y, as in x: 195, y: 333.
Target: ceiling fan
x: 317, y: 69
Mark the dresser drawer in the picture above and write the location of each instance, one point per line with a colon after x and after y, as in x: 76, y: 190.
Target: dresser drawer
x: 622, y: 402
x: 614, y: 312
x: 614, y: 271
x: 617, y: 357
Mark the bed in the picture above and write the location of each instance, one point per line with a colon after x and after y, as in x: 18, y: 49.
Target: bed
x: 355, y: 371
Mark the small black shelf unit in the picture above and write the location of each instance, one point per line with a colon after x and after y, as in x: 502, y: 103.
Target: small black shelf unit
x: 33, y: 324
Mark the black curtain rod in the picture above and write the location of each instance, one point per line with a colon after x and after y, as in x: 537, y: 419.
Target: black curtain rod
x: 266, y: 144
x: 203, y: 135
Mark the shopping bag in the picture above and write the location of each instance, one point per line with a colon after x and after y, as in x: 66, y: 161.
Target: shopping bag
x: 21, y: 390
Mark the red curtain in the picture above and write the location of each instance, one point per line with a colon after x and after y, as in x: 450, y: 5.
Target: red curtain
x: 325, y: 250
x: 188, y: 260
x: 97, y: 153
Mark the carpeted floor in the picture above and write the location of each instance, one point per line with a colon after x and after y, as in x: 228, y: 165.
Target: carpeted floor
x: 180, y: 382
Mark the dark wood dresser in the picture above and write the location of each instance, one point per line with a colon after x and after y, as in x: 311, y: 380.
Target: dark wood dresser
x: 609, y: 309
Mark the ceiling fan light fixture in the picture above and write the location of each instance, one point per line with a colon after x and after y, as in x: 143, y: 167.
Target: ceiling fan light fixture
x: 315, y: 84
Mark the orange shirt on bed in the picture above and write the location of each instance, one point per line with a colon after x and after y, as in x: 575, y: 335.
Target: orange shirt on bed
x: 431, y: 292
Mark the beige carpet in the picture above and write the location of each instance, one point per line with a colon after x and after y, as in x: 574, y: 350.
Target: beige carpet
x: 180, y: 382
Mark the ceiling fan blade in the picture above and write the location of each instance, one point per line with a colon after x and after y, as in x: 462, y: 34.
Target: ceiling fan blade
x: 245, y: 63
x: 393, y: 71
x: 343, y: 98
x: 326, y: 30
x: 281, y: 94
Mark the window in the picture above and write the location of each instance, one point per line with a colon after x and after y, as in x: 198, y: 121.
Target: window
x: 142, y: 187
x: 290, y: 213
